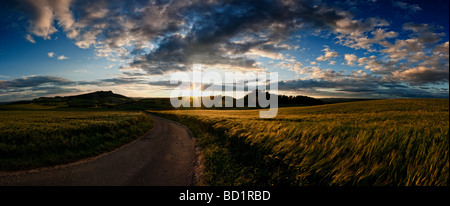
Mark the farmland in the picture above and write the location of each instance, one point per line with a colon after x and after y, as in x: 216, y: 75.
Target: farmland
x: 380, y: 142
x: 33, y: 136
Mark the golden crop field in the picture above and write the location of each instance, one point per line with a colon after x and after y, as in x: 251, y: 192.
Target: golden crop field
x: 31, y: 139
x: 380, y: 142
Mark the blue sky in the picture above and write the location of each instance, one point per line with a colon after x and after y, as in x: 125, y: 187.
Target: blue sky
x: 363, y: 49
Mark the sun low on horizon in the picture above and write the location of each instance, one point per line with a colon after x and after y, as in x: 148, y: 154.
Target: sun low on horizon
x: 322, y: 49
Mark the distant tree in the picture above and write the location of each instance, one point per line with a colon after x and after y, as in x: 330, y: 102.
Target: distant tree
x: 286, y: 100
x: 282, y: 99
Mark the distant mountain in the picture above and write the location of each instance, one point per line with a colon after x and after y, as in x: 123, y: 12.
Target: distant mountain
x: 94, y: 99
x: 100, y: 95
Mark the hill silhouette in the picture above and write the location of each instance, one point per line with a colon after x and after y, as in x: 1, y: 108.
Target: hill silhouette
x: 101, y: 95
x: 94, y: 99
x: 110, y: 100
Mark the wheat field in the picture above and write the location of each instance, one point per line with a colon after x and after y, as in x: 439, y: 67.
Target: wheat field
x: 380, y: 142
x: 31, y: 139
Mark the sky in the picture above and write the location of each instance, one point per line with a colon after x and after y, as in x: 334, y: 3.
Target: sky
x: 323, y: 49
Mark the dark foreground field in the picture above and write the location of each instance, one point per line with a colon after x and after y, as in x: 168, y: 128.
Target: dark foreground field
x: 381, y: 142
x: 37, y: 138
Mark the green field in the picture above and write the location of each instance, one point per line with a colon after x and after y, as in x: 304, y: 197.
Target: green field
x: 381, y: 142
x: 31, y: 139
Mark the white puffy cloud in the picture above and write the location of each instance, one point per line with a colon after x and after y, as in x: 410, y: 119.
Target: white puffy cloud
x: 328, y: 54
x: 30, y: 38
x: 351, y: 59
x: 62, y: 57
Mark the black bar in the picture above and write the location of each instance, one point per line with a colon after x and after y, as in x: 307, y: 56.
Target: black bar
x: 247, y: 195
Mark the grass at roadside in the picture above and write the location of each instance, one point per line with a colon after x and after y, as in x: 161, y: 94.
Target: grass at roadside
x: 31, y: 139
x: 382, y: 142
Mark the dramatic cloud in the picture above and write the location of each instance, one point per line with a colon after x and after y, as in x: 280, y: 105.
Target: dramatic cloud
x: 32, y: 81
x: 364, y: 86
x: 26, y: 88
x: 221, y: 36
x: 157, y: 37
x: 422, y: 75
x: 214, y: 32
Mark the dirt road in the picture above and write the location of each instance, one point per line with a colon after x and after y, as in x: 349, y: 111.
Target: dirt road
x: 164, y: 156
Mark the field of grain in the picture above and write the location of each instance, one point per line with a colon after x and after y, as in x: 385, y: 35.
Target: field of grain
x: 31, y: 139
x: 380, y: 142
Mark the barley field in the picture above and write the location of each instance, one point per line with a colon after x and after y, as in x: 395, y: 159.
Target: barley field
x: 401, y: 142
x: 31, y: 139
